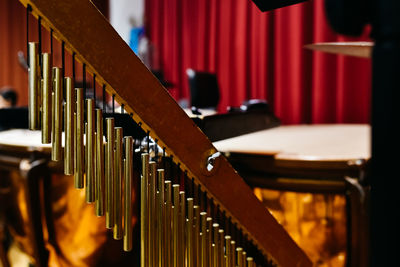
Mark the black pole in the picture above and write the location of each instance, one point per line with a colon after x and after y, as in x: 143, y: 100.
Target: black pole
x: 63, y: 68
x: 94, y: 87
x: 73, y: 67
x: 113, y: 104
x: 84, y: 80
x: 40, y: 43
x: 385, y: 231
x: 104, y: 98
x: 51, y: 42
x: 349, y: 17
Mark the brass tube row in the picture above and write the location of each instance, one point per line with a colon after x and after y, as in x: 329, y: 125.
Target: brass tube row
x: 174, y: 231
x: 103, y: 168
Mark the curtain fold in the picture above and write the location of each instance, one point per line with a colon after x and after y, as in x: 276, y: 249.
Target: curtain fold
x: 13, y: 40
x: 261, y: 55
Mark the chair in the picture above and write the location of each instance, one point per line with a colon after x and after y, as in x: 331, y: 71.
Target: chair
x: 204, y: 89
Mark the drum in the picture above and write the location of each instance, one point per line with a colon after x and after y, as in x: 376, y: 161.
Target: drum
x: 328, y: 152
x: 310, y: 177
x: 48, y: 219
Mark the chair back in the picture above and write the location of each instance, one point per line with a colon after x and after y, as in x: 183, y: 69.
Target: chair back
x: 204, y: 89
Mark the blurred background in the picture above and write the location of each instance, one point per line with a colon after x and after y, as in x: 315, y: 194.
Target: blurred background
x: 253, y: 54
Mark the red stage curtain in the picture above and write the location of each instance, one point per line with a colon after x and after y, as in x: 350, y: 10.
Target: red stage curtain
x: 13, y: 39
x: 261, y: 55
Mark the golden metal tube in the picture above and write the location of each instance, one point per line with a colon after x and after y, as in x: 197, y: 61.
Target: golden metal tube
x: 74, y: 138
x: 143, y: 233
x: 196, y: 235
x: 203, y: 235
x: 34, y: 84
x: 52, y: 110
x: 157, y: 221
x: 161, y: 184
x: 189, y: 233
x: 239, y: 254
x: 182, y: 224
x: 128, y: 140
x: 152, y: 211
x: 250, y: 262
x: 161, y: 217
x: 68, y: 125
x: 168, y: 223
x: 89, y: 159
x: 56, y: 147
x: 209, y: 241
x: 214, y: 249
x: 99, y: 177
x: 157, y: 241
x: 79, y: 151
x: 244, y: 257
x: 95, y: 170
x: 215, y: 255
x: 118, y: 173
x: 109, y: 175
x: 144, y: 184
x: 148, y: 216
x: 221, y: 252
x: 233, y: 253
x: 228, y: 251
x: 107, y: 187
x: 86, y: 153
x: 175, y: 224
x: 46, y: 98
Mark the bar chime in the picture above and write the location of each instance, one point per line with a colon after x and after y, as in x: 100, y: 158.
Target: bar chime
x: 177, y: 227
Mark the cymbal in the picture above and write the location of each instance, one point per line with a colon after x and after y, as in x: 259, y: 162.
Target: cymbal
x: 356, y: 49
